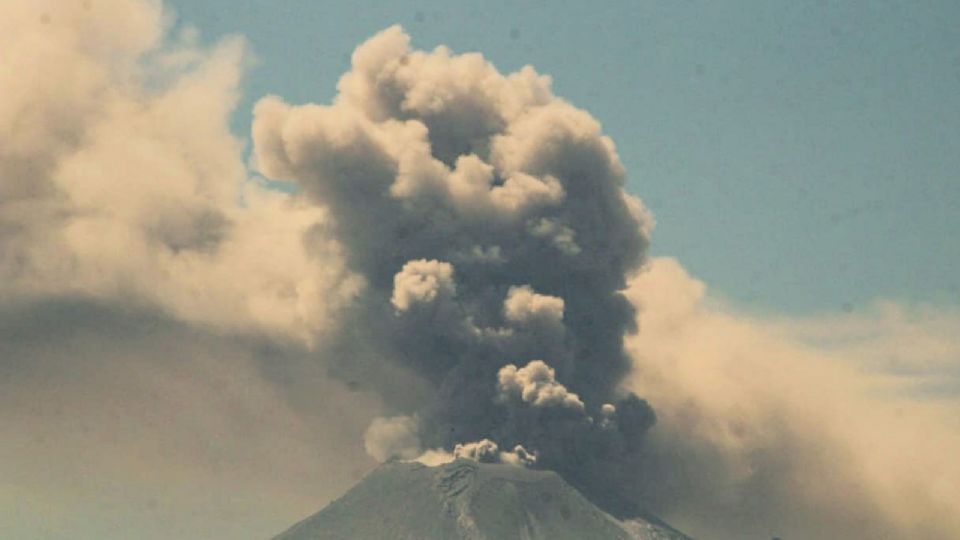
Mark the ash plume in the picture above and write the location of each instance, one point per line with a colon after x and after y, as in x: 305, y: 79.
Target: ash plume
x: 489, y: 223
x: 167, y: 322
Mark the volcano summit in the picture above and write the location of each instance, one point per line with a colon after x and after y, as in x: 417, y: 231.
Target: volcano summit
x: 468, y: 500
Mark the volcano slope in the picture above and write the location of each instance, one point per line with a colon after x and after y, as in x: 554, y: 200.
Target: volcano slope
x: 468, y: 500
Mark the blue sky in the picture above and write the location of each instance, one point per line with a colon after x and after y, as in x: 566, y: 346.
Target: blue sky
x: 799, y: 156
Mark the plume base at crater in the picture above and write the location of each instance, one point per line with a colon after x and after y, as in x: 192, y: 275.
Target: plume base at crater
x: 470, y: 501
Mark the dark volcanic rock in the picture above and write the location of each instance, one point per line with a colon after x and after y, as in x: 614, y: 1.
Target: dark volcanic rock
x: 467, y: 500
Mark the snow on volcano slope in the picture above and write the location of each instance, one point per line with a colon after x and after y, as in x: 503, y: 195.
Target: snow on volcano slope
x: 471, y: 501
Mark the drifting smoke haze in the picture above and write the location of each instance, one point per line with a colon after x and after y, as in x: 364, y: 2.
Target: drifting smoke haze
x: 459, y: 273
x: 806, y: 428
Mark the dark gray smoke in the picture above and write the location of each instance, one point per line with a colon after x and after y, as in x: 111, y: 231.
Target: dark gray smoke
x: 489, y: 221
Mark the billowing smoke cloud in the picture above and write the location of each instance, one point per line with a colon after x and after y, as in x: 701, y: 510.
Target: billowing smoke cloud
x: 393, y: 438
x: 156, y: 306
x: 456, y: 249
x: 815, y: 427
x: 535, y: 384
x: 119, y: 176
x: 489, y: 221
x: 422, y: 282
x: 487, y: 451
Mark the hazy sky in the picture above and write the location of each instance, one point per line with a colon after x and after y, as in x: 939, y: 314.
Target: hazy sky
x: 798, y: 155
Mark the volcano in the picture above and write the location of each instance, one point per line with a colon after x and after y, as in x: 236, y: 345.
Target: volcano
x: 468, y: 500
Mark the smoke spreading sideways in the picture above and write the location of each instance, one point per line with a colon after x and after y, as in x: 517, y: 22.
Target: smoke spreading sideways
x: 489, y: 223
x: 187, y: 352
